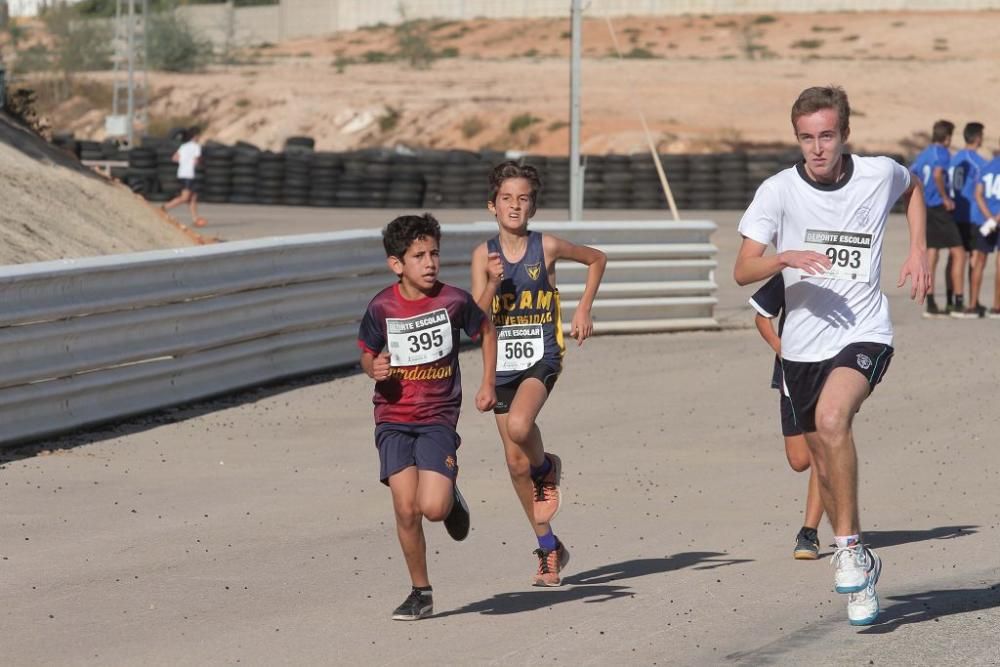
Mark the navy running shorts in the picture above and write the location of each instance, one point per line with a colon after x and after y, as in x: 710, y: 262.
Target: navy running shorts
x: 805, y: 379
x: 426, y: 446
x: 541, y: 371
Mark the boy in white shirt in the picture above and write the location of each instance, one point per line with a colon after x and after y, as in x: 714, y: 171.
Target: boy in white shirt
x: 188, y: 157
x: 826, y: 217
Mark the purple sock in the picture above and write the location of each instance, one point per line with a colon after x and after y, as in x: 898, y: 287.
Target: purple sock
x: 547, y: 541
x: 542, y: 470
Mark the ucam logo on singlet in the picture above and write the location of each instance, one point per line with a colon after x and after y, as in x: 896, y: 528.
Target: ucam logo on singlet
x: 419, y: 339
x: 850, y: 254
x: 526, y: 300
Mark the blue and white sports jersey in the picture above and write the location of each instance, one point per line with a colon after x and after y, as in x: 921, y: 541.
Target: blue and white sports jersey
x: 933, y: 156
x: 962, y: 176
x: 989, y: 178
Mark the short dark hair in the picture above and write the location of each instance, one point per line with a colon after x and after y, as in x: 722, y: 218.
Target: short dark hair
x: 510, y: 169
x: 943, y: 129
x: 399, y: 234
x: 818, y: 98
x: 972, y: 132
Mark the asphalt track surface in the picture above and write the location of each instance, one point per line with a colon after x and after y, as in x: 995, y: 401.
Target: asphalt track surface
x: 252, y: 529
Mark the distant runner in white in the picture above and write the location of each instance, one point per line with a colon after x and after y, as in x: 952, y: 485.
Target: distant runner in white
x: 826, y: 217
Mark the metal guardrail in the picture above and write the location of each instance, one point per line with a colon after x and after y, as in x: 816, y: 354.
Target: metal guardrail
x: 91, y: 340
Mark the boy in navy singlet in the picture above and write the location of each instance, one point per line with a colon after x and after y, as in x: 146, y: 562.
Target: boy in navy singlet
x: 513, y: 277
x: 769, y: 302
x: 409, y: 340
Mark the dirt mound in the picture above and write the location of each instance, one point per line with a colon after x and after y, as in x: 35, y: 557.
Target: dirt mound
x: 705, y: 83
x: 54, y: 208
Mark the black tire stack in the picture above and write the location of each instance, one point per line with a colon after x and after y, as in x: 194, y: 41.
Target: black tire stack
x: 215, y: 174
x: 298, y: 167
x: 270, y: 177
x: 732, y: 177
x: 141, y: 173
x: 351, y: 181
x: 406, y: 183
x: 244, y: 174
x: 90, y: 150
x: 168, y: 186
x: 377, y: 176
x: 324, y: 178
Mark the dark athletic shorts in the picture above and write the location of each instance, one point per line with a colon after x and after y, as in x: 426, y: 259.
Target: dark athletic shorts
x: 984, y: 244
x: 942, y: 230
x: 505, y: 392
x: 965, y: 232
x: 426, y: 446
x: 788, y: 425
x: 190, y: 184
x: 805, y: 379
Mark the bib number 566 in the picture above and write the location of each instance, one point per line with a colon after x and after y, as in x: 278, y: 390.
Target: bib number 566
x: 519, y: 350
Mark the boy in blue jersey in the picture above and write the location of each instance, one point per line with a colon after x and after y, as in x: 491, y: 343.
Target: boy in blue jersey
x: 964, y: 164
x: 513, y: 277
x: 987, y: 238
x: 931, y: 167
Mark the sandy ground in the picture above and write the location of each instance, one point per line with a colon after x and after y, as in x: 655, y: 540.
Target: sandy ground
x: 253, y: 530
x: 51, y: 211
x: 705, y: 83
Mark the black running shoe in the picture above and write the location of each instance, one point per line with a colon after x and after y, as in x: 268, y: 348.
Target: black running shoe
x: 806, y: 545
x: 457, y: 521
x: 417, y: 606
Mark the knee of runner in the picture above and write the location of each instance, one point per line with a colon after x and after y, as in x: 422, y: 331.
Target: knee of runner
x: 519, y: 427
x: 831, y: 424
x: 799, y: 462
x: 408, y: 514
x: 436, y: 511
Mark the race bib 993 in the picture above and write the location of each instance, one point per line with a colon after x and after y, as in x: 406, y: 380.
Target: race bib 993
x: 850, y: 254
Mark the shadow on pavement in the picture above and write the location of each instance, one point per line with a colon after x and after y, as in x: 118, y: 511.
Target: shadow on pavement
x: 640, y: 567
x: 877, y: 539
x: 590, y: 586
x: 932, y: 605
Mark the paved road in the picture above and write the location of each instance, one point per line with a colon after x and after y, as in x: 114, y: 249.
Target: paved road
x: 253, y: 529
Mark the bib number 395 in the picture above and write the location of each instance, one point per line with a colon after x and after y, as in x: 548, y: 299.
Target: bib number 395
x: 519, y: 347
x: 419, y: 340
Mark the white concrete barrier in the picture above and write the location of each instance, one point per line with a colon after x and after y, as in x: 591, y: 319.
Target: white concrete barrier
x: 91, y: 340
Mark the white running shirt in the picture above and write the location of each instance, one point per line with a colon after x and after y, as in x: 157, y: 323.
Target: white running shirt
x: 187, y: 159
x: 846, y: 221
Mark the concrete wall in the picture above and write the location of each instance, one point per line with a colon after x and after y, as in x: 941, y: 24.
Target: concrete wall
x: 309, y: 18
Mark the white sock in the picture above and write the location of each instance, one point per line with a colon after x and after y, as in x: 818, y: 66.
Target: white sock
x: 846, y: 541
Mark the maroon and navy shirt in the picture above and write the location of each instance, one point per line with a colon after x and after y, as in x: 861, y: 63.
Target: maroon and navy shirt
x: 422, y: 336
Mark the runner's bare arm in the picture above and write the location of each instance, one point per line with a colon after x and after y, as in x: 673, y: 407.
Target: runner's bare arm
x: 376, y: 367
x: 556, y: 248
x: 981, y: 201
x: 753, y: 266
x: 486, y: 397
x: 487, y: 273
x: 942, y: 189
x: 767, y: 332
x: 915, y: 266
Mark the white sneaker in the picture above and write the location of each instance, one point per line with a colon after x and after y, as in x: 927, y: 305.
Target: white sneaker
x: 862, y: 607
x: 852, y: 566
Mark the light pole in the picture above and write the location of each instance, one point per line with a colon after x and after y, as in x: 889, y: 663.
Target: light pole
x: 575, y: 168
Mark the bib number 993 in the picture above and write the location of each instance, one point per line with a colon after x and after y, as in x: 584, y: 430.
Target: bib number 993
x: 842, y: 257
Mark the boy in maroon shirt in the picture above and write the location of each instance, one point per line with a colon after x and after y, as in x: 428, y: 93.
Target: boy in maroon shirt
x: 409, y: 339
